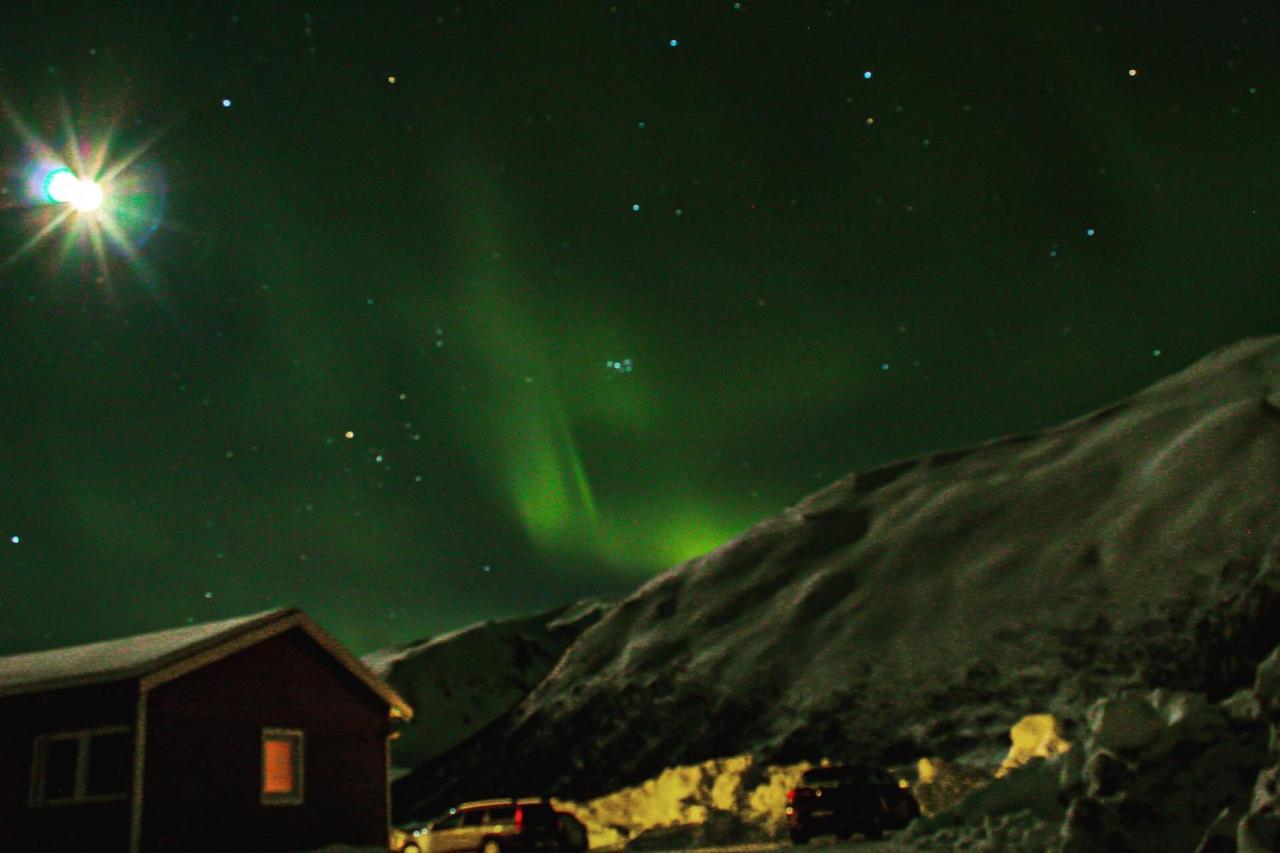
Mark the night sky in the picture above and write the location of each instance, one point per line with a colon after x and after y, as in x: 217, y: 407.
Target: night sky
x: 418, y: 314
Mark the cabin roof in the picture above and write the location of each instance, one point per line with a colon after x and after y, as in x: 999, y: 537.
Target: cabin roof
x: 160, y: 656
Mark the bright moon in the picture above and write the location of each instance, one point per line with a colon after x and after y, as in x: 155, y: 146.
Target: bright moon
x: 65, y: 188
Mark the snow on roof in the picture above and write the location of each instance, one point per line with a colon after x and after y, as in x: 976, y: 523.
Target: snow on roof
x: 128, y: 657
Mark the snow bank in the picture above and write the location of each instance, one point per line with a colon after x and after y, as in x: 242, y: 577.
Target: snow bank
x: 715, y: 802
x: 1156, y: 768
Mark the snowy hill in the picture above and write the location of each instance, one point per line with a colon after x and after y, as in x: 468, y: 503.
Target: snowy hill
x: 466, y: 679
x: 921, y: 608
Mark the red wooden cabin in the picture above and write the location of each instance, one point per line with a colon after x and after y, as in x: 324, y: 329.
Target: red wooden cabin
x: 253, y: 734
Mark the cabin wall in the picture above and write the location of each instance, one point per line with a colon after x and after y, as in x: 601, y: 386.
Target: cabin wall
x: 97, y: 826
x: 203, y: 753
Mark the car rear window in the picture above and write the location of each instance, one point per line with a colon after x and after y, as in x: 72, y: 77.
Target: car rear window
x: 539, y: 815
x: 502, y: 814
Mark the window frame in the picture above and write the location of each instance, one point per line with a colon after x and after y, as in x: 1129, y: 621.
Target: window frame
x: 500, y: 815
x: 39, y: 768
x: 297, y: 754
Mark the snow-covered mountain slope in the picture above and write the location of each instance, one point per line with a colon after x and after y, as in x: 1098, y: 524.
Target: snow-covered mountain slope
x: 462, y: 681
x: 921, y: 608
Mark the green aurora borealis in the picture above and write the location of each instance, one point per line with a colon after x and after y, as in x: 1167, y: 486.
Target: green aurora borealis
x: 805, y: 270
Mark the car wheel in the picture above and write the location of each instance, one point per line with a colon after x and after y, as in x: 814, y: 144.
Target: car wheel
x: 799, y: 836
x: 491, y: 846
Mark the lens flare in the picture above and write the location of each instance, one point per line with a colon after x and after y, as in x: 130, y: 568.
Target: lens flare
x: 87, y: 197
x: 104, y: 206
x: 60, y: 186
x: 63, y: 187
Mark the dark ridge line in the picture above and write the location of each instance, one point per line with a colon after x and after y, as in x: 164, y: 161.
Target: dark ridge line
x: 876, y: 478
x: 946, y: 457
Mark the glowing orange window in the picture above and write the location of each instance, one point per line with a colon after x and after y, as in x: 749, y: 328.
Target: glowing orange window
x: 281, y: 766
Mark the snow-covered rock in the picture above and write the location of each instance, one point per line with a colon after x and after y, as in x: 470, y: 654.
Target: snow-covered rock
x: 1174, y: 785
x: 1092, y: 825
x: 1259, y: 831
x: 464, y: 680
x: 1266, y: 686
x: 1153, y: 771
x: 939, y: 783
x: 1123, y: 724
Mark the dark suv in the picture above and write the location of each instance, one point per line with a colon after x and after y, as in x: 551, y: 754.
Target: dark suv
x: 492, y: 826
x: 842, y: 800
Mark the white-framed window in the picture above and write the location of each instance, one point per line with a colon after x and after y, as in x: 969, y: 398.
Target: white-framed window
x: 85, y: 766
x: 282, y: 767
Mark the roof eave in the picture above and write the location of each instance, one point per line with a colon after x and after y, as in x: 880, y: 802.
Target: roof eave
x: 54, y: 684
x: 271, y: 627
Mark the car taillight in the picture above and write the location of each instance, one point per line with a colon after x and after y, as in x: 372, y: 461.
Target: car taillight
x: 519, y: 818
x: 791, y: 796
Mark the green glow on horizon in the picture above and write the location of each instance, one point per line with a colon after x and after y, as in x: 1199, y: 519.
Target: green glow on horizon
x: 656, y: 535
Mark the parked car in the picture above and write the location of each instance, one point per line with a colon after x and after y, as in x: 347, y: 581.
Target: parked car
x: 492, y: 826
x: 845, y: 799
x: 573, y: 834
